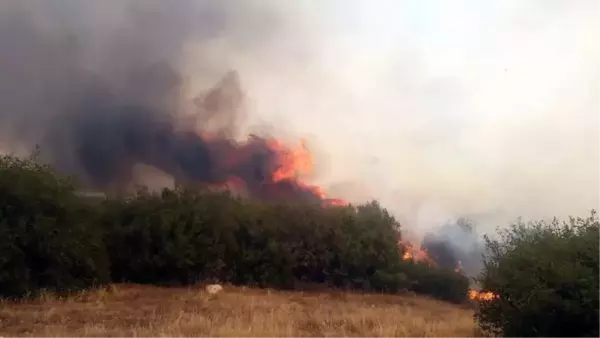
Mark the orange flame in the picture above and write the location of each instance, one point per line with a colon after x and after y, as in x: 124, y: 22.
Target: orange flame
x: 421, y: 255
x: 415, y: 254
x: 295, y: 163
x: 485, y: 296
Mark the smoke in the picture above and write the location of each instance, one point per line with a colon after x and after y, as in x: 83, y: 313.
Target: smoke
x: 100, y: 87
x: 487, y: 111
x: 438, y: 110
x: 456, y: 245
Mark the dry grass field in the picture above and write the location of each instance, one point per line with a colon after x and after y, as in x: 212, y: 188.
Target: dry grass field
x: 134, y: 310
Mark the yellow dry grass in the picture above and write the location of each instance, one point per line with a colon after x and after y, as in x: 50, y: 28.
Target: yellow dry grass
x: 134, y: 310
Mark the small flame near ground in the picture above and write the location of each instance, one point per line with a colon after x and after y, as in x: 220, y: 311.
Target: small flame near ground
x: 482, y: 295
x: 413, y: 253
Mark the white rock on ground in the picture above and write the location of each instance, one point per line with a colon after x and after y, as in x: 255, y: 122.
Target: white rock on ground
x: 214, y: 288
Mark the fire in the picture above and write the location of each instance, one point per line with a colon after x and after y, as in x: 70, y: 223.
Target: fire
x: 294, y: 163
x: 413, y: 253
x: 482, y: 295
x: 421, y: 255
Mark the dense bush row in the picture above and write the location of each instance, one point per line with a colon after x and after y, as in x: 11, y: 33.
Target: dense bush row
x: 51, y: 239
x: 545, y: 275
x: 546, y: 279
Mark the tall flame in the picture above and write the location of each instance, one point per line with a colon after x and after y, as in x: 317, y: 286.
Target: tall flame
x: 292, y: 162
x: 296, y: 163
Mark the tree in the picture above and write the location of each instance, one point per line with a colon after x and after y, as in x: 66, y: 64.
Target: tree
x: 47, y: 236
x: 546, y: 278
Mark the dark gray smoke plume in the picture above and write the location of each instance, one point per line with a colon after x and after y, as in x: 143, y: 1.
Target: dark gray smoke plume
x: 97, y: 85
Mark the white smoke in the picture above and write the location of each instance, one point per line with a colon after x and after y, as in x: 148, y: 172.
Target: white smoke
x: 440, y: 110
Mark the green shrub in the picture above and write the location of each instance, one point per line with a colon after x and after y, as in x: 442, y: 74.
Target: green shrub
x: 438, y: 282
x: 180, y: 237
x: 54, y: 239
x: 546, y: 277
x: 47, y: 240
x: 176, y: 237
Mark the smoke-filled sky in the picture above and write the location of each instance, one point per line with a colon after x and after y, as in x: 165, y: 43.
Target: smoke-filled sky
x: 439, y: 109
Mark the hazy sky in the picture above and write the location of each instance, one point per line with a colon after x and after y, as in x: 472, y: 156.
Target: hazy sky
x: 437, y: 108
